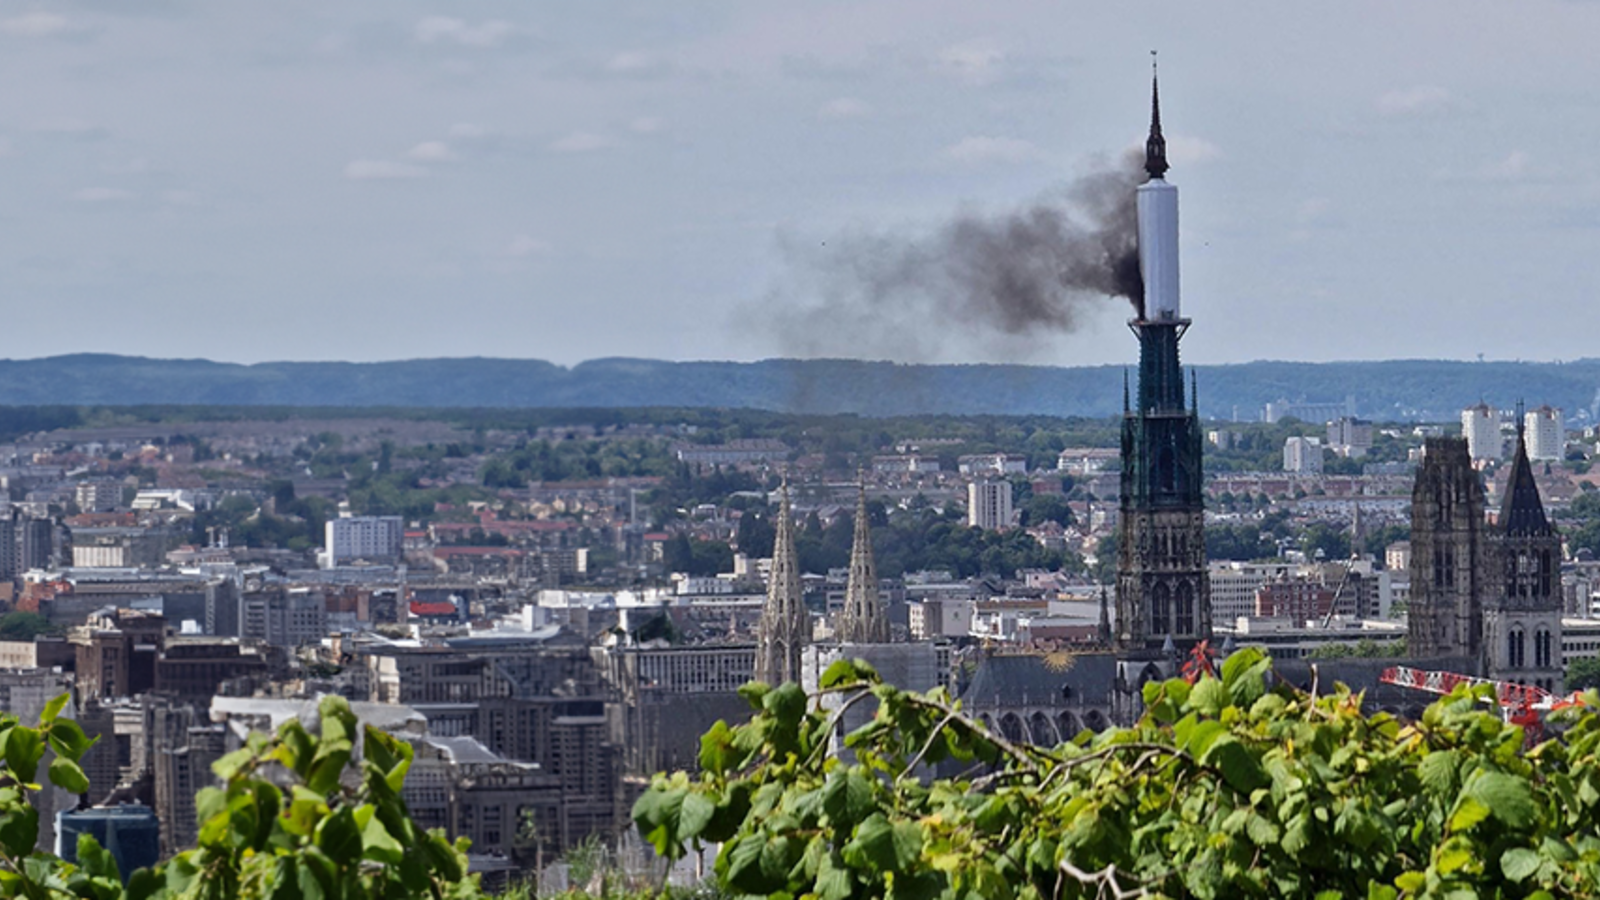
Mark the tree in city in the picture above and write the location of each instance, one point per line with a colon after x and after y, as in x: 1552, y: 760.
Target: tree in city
x: 1236, y: 785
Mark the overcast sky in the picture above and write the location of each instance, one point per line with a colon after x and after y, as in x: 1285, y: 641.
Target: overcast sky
x: 382, y: 179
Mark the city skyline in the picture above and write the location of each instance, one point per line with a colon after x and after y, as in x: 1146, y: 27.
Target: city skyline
x: 381, y: 182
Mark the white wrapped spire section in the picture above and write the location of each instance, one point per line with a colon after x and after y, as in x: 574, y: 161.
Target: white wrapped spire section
x: 1158, y: 249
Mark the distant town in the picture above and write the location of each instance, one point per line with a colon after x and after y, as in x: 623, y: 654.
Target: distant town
x: 552, y: 612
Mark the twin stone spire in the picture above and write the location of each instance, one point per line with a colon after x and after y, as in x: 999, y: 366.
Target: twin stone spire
x: 785, y: 626
x: 863, y: 619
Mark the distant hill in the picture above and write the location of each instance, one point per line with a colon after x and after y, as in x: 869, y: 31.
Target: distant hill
x: 1398, y: 389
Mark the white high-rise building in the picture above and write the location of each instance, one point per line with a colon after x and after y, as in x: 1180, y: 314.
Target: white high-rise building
x: 1302, y: 455
x: 989, y: 504
x: 1547, y: 434
x: 1481, y: 427
x: 363, y: 537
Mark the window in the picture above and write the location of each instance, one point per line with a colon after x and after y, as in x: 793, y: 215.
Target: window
x: 1185, y: 623
x: 1160, y: 610
x: 1541, y: 649
x: 1515, y: 651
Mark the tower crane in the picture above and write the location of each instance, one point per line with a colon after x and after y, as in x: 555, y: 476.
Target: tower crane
x: 1521, y: 704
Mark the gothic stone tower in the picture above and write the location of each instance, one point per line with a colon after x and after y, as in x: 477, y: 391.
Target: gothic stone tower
x: 1163, y: 592
x: 785, y: 626
x: 863, y: 619
x: 1523, y: 602
x: 1448, y: 554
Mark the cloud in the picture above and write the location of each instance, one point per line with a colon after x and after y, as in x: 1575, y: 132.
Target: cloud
x: 581, y: 142
x: 468, y: 131
x: 431, y: 151
x: 36, y: 24
x: 636, y: 64
x: 983, y: 150
x: 102, y: 195
x: 646, y: 125
x: 1422, y: 100
x: 844, y: 108
x: 976, y: 62
x: 448, y: 30
x: 1516, y: 165
x: 380, y: 169
x: 524, y: 245
x: 1513, y: 167
x: 72, y: 129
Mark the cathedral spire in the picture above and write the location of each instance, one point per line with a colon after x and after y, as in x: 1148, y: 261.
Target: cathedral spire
x: 1155, y: 146
x: 785, y: 625
x: 863, y: 619
x: 1521, y: 511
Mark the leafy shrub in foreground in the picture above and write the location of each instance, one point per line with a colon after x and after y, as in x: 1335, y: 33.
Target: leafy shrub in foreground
x: 1227, y: 787
x: 294, y: 819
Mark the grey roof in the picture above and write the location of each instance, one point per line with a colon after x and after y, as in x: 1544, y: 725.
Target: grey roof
x: 1029, y: 681
x: 1363, y: 675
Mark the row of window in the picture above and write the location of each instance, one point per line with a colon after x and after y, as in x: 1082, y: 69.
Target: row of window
x: 1516, y: 649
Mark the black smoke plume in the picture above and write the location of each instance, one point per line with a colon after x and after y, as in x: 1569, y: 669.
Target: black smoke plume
x: 1002, y: 281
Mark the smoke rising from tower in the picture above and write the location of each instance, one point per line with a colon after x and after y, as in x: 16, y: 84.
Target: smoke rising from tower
x: 1007, y: 282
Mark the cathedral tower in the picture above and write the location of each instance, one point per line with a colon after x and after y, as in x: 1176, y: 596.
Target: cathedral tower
x: 785, y: 626
x: 1448, y: 554
x: 863, y: 619
x: 1163, y: 592
x: 1522, y: 599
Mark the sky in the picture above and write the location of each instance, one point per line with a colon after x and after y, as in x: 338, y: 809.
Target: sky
x: 384, y: 179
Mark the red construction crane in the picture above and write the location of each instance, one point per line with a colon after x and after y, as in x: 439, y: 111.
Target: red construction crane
x: 1522, y: 704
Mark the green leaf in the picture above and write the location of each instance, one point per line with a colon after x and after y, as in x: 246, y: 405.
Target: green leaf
x: 716, y: 749
x: 377, y: 844
x: 884, y: 847
x: 1239, y: 768
x: 68, y: 739
x: 834, y: 881
x: 24, y: 749
x: 339, y: 837
x: 1518, y: 863
x: 54, y: 708
x: 1451, y: 858
x: 1438, y: 771
x: 848, y: 671
x: 754, y: 693
x: 694, y: 815
x: 65, y: 774
x: 847, y: 798
x: 1509, y: 799
x: 1469, y: 812
x: 19, y: 830
x: 1208, y: 697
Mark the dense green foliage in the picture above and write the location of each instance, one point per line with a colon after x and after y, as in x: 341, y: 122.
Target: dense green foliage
x: 1233, y: 786
x: 339, y: 831
x: 20, y: 625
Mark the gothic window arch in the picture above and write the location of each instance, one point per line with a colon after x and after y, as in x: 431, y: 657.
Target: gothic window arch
x: 1067, y: 725
x: 1041, y: 731
x: 1541, y: 649
x: 1011, y: 727
x: 1516, y: 650
x: 1160, y: 609
x: 1185, y: 609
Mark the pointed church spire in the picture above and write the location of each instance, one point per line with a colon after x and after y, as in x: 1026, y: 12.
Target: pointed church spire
x: 1155, y: 146
x: 863, y: 619
x: 1521, y: 511
x: 785, y: 625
